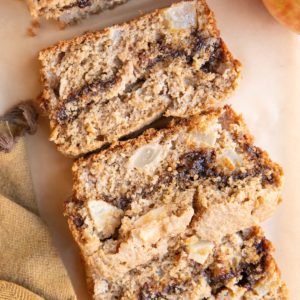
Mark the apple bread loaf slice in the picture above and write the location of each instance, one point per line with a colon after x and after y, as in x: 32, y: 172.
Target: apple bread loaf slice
x: 105, y: 85
x: 204, y: 169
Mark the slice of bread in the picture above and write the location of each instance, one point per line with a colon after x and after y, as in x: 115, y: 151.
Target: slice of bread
x: 68, y: 11
x: 105, y: 85
x: 238, y: 266
x: 204, y: 172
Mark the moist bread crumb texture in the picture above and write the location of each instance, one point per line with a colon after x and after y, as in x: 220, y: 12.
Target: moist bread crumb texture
x: 206, y: 165
x: 68, y: 11
x: 156, y: 217
x: 105, y: 85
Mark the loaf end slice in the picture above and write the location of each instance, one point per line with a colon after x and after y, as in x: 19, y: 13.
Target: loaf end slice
x: 105, y: 85
x: 69, y: 11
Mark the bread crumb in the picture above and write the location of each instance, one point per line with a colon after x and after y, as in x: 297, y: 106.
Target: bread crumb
x: 30, y: 32
x: 32, y: 29
x: 35, y: 24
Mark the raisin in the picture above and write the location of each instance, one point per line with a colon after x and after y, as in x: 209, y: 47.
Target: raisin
x: 197, y: 163
x: 249, y: 273
x: 123, y: 202
x: 206, y: 67
x: 199, y: 41
x: 216, y: 57
x: 83, y: 3
x: 100, y: 137
x: 189, y: 59
x: 78, y: 221
x: 60, y: 56
x: 260, y: 247
x: 62, y: 115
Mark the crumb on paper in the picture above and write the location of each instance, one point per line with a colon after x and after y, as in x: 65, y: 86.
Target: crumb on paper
x: 35, y: 24
x: 30, y: 32
x: 32, y: 29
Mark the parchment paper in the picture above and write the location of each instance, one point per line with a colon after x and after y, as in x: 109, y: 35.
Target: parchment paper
x: 269, y: 98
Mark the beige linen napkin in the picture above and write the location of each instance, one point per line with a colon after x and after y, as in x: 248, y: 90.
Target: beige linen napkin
x: 30, y: 267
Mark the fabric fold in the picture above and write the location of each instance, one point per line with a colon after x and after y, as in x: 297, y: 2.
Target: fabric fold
x: 28, y: 258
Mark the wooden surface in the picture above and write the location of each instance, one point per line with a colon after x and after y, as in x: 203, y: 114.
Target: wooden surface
x: 269, y: 98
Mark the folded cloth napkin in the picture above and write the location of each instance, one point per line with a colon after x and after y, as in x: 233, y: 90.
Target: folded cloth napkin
x: 11, y: 291
x: 30, y: 267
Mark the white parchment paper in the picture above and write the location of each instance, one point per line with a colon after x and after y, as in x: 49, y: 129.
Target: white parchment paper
x: 268, y: 97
